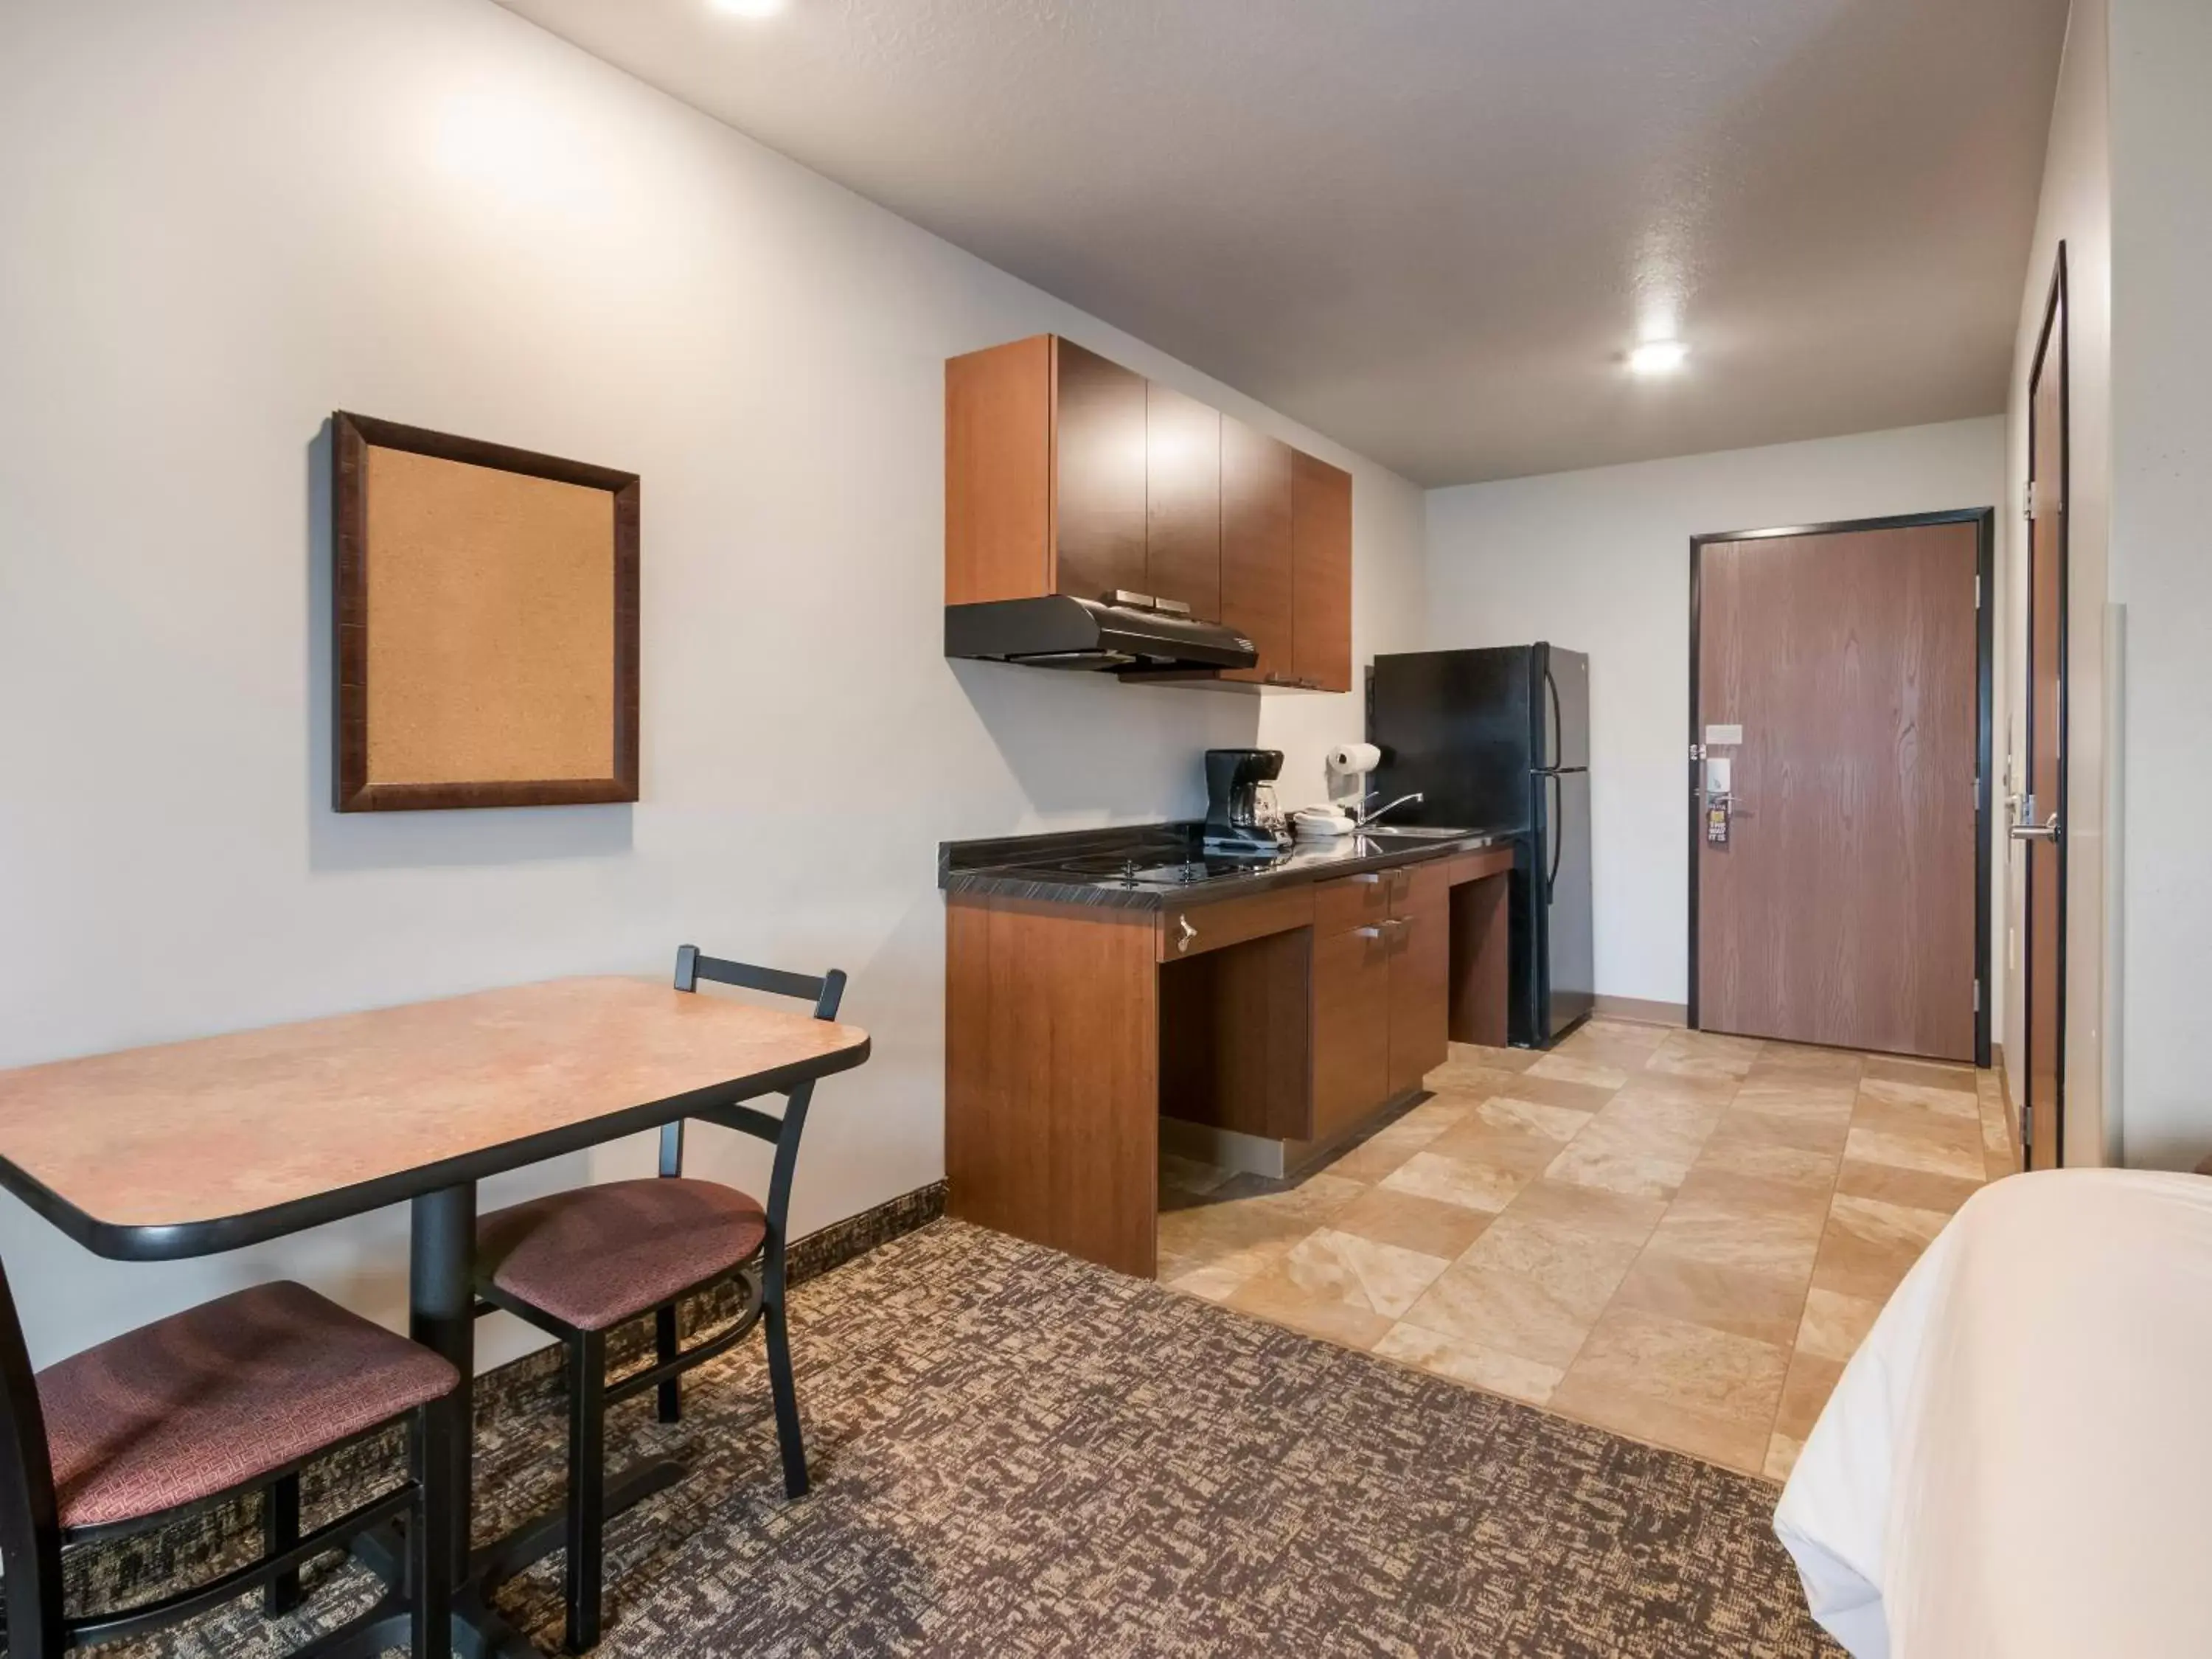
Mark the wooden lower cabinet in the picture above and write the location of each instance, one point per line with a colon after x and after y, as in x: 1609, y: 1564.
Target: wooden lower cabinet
x: 1420, y: 981
x: 1350, y: 1027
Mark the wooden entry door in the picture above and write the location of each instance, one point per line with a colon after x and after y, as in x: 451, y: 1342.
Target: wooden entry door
x: 2038, y: 827
x: 1835, y: 887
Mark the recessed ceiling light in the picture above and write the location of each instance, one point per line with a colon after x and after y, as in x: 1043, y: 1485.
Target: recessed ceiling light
x: 1657, y: 357
x: 747, y: 7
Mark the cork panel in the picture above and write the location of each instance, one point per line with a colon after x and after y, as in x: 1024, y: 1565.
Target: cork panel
x: 491, y: 625
x: 227, y: 1126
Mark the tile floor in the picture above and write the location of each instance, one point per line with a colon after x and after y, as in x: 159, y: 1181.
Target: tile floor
x: 1676, y: 1236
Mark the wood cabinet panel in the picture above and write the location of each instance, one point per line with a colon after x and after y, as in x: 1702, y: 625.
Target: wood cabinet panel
x: 1052, y: 1077
x: 1183, y: 501
x: 1195, y: 929
x: 1350, y: 1027
x: 1481, y: 957
x: 1359, y: 901
x: 1320, y: 534
x: 997, y: 472
x: 1420, y: 980
x: 1258, y: 579
x: 1234, y: 1049
x: 1099, y: 469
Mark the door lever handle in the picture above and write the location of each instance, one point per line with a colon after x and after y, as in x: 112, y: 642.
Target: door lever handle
x: 2050, y: 830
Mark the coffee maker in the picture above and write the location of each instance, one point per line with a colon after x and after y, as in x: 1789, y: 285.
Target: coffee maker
x: 1237, y: 824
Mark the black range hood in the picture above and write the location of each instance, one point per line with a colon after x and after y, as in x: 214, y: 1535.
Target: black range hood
x: 1061, y: 631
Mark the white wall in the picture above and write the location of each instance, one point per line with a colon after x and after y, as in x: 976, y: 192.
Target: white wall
x: 218, y: 224
x: 2162, y: 562
x: 2075, y: 210
x: 1599, y: 562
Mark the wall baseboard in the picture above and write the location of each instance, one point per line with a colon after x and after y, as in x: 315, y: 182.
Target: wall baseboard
x: 132, y: 1570
x: 1642, y: 1012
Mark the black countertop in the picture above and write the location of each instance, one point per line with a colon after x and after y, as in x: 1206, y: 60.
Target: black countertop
x: 1151, y: 867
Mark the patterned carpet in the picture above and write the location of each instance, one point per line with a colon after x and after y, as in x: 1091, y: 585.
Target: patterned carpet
x: 1018, y: 1455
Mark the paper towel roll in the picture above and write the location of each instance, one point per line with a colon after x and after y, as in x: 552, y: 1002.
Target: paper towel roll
x: 1354, y: 757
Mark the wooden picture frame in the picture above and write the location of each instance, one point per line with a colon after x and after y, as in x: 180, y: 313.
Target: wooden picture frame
x: 485, y: 605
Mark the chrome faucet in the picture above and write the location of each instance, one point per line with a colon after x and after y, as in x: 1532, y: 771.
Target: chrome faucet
x: 1365, y: 817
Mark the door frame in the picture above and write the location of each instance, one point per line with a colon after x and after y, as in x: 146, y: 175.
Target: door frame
x: 1984, y: 521
x: 2057, y: 312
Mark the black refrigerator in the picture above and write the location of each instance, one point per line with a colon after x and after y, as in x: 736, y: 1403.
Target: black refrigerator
x: 1500, y: 739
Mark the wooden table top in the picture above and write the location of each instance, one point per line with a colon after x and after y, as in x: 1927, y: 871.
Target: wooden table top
x: 186, y: 1148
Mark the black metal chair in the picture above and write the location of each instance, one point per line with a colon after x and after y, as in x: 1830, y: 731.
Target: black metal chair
x: 226, y: 1398
x: 577, y: 1264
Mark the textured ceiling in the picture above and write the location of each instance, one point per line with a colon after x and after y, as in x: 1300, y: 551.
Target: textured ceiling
x: 1431, y: 229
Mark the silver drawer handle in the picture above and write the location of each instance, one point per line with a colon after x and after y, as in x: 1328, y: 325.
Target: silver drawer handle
x: 1369, y: 932
x: 2047, y: 831
x: 1189, y: 935
x: 1370, y: 876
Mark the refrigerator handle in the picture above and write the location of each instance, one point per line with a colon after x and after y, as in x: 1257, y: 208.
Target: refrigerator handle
x: 1552, y: 732
x: 1551, y: 832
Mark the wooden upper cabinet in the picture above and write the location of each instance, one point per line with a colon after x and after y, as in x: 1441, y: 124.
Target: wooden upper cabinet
x: 1100, y: 461
x: 1065, y: 473
x: 997, y: 472
x: 1257, y: 585
x: 1321, y: 537
x: 1182, y: 487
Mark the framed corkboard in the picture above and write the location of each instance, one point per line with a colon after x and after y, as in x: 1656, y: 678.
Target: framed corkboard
x: 487, y: 616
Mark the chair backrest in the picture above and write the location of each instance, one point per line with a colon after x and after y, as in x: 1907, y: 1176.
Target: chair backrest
x: 824, y: 992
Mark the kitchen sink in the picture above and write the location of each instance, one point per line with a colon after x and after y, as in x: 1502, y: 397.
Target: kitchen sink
x: 1415, y: 832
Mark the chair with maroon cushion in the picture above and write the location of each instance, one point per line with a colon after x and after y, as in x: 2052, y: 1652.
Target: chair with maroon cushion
x: 218, y: 1401
x: 577, y: 1264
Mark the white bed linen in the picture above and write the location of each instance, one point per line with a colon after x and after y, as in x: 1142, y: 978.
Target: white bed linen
x: 2018, y: 1461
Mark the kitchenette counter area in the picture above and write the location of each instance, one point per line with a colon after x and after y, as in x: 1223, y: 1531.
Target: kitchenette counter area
x: 1105, y: 986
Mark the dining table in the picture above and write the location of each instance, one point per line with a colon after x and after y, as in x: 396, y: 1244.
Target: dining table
x: 191, y: 1148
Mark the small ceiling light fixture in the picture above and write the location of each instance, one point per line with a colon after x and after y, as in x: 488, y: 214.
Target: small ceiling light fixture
x: 1657, y: 357
x: 747, y: 7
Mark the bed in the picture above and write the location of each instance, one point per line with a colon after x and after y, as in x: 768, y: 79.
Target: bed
x: 2018, y: 1461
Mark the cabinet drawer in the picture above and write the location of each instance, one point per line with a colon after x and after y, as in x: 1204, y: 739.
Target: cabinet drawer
x: 1473, y: 866
x: 1190, y: 930
x: 1419, y: 887
x: 1350, y: 1027
x: 1359, y: 901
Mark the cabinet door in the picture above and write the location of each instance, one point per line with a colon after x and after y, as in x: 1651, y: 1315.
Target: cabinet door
x: 1098, y: 442
x: 1350, y: 1027
x: 1420, y: 981
x: 1182, y: 491
x: 1257, y: 585
x: 1320, y: 536
x: 997, y: 472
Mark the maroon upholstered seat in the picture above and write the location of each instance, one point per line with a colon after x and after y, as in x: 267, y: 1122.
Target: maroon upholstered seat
x: 207, y: 1399
x: 597, y: 1255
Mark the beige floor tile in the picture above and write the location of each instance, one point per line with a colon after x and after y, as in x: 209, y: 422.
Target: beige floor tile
x: 1790, y: 1099
x: 1520, y: 1152
x: 1872, y: 1111
x: 1413, y: 1223
x: 1386, y: 1279
x: 1444, y: 1109
x: 1868, y: 1245
x: 1648, y: 1373
x: 1803, y: 1059
x: 1820, y: 1131
x: 1508, y: 1311
x: 1215, y: 1282
x: 1782, y: 1455
x: 1712, y: 1093
x: 1727, y: 1232
x: 1804, y: 1392
x: 1276, y: 1296
x: 1580, y: 1270
x: 1910, y: 1151
x: 1700, y: 1053
x: 1598, y: 1164
x: 1509, y: 1111
x: 1834, y: 1324
x: 1934, y: 1073
x: 1569, y: 1068
x: 1762, y: 1303
x: 1470, y: 1362
x: 1914, y: 1189
x: 1748, y: 1150
x: 1477, y: 1186
x: 1618, y: 1216
x: 1504, y: 1060
x: 1606, y: 1042
x: 1711, y: 1187
x: 1667, y: 1122
x: 1996, y: 1166
x: 1311, y: 1198
x: 1558, y: 1091
x: 1950, y: 1103
x: 1385, y: 1150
